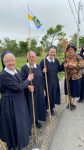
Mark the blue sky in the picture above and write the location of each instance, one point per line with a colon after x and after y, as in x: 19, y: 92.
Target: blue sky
x: 14, y: 23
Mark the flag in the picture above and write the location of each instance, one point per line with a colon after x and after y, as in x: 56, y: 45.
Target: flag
x: 35, y: 23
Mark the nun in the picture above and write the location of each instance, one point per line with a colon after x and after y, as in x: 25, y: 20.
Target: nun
x: 82, y: 80
x: 39, y: 89
x: 51, y: 68
x: 15, y: 123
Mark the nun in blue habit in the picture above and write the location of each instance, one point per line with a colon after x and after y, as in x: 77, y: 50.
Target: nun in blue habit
x: 15, y: 123
x: 39, y: 97
x: 52, y: 68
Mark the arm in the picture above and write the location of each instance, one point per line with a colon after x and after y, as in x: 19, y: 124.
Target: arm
x: 80, y: 62
x: 8, y: 82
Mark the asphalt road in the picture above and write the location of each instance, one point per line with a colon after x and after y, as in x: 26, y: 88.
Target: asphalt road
x: 70, y: 132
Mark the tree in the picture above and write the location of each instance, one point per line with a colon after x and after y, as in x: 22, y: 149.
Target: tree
x: 73, y: 40
x: 38, y: 51
x: 23, y: 47
x: 81, y: 41
x: 55, y: 33
x: 10, y: 45
x: 45, y: 42
x: 33, y: 44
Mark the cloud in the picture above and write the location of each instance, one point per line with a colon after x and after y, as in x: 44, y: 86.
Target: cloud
x: 14, y: 23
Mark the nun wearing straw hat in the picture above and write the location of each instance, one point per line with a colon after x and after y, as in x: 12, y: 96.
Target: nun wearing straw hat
x: 15, y: 123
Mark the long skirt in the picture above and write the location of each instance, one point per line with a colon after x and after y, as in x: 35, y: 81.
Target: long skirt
x: 74, y: 87
x: 14, y: 121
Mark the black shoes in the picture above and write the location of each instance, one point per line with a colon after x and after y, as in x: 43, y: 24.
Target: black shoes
x: 71, y: 106
x: 52, y: 113
x: 79, y: 100
x: 38, y: 125
x: 68, y: 106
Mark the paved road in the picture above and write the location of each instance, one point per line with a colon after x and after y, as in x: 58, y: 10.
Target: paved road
x: 70, y: 132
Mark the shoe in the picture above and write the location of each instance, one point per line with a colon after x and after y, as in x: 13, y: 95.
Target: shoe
x: 52, y: 113
x: 73, y: 107
x: 79, y: 100
x: 68, y: 106
x: 38, y: 125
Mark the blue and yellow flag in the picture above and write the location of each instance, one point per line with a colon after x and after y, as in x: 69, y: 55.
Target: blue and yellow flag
x: 35, y: 23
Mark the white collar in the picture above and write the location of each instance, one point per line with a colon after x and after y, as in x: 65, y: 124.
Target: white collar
x: 10, y: 71
x: 50, y: 59
x: 34, y: 66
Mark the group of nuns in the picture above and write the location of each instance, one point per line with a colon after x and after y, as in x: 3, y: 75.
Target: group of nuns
x: 16, y: 88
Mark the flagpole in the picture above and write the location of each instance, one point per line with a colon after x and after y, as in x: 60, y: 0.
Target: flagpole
x: 46, y: 81
x: 32, y: 93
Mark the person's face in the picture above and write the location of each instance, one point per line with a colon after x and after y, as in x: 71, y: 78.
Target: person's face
x: 71, y: 52
x: 52, y: 53
x: 32, y: 58
x: 9, y: 61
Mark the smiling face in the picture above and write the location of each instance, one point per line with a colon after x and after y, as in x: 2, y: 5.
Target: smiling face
x: 31, y: 56
x: 52, y: 53
x: 9, y: 61
x: 71, y: 51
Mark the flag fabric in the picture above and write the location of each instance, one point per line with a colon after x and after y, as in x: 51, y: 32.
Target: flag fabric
x: 35, y: 23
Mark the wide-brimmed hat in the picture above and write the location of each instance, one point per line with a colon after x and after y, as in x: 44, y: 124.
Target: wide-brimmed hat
x: 70, y: 46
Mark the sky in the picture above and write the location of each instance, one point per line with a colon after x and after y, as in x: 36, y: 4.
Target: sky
x: 14, y: 23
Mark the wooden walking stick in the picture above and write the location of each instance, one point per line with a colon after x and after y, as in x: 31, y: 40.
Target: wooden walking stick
x: 32, y: 95
x: 64, y: 44
x: 68, y: 89
x: 2, y: 147
x: 46, y: 81
x: 68, y: 86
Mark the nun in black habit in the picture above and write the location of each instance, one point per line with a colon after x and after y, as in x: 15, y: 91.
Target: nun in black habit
x: 39, y: 91
x: 52, y: 68
x: 15, y: 123
x: 82, y: 80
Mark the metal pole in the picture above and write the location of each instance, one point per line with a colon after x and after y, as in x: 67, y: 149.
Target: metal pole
x: 78, y: 23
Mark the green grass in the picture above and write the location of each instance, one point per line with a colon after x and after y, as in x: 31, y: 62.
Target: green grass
x: 20, y: 61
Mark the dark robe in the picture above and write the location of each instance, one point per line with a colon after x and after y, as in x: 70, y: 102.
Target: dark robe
x: 39, y: 98
x: 53, y: 82
x: 15, y: 124
x: 82, y: 80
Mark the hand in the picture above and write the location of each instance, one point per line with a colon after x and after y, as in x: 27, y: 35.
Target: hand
x: 66, y: 65
x: 30, y: 77
x: 65, y: 52
x: 31, y: 88
x: 71, y: 65
x: 44, y: 93
x: 44, y: 70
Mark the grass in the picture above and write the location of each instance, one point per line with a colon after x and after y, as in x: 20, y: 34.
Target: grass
x: 20, y: 61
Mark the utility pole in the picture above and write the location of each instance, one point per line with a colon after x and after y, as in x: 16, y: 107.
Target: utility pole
x: 78, y: 23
